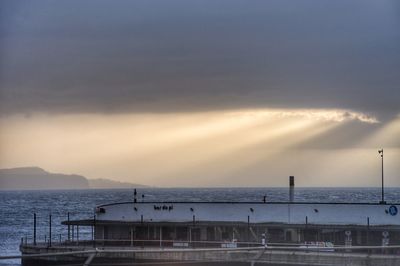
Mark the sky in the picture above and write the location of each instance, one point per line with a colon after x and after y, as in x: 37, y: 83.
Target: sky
x: 203, y: 93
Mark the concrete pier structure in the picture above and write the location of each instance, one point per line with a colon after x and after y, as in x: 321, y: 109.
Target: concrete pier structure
x: 225, y: 256
x: 238, y: 233
x: 284, y: 222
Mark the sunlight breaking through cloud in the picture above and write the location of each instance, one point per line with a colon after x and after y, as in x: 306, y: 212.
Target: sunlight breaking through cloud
x: 173, y: 149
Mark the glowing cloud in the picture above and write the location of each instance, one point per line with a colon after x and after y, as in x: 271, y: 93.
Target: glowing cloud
x: 335, y: 115
x: 180, y: 149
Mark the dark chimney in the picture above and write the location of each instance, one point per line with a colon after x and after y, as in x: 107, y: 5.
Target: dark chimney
x: 291, y: 188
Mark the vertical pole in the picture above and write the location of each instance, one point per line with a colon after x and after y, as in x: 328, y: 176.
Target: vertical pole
x: 94, y: 230
x: 368, y: 233
x: 305, y: 231
x: 69, y: 228
x: 194, y: 224
x: 73, y: 233
x: 248, y: 228
x: 34, y: 229
x: 383, y: 191
x: 135, y: 196
x: 77, y: 233
x: 49, y: 230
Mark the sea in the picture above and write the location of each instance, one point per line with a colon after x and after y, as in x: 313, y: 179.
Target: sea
x: 18, y: 207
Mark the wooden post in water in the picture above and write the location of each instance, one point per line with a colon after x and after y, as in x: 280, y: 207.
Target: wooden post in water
x: 34, y: 229
x: 368, y: 234
x: 49, y: 230
x: 94, y: 230
x: 69, y: 228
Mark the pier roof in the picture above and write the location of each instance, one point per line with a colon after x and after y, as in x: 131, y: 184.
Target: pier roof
x: 320, y: 214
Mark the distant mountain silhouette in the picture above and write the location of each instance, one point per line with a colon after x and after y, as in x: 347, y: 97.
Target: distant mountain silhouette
x: 107, y: 183
x: 35, y: 178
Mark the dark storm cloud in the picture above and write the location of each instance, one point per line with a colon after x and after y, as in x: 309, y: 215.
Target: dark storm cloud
x: 117, y: 56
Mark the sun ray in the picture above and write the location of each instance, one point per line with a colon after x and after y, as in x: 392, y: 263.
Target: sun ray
x: 163, y: 149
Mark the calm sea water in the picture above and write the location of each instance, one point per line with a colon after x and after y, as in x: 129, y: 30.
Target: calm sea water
x: 17, y: 207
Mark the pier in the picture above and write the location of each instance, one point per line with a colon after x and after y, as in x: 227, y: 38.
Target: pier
x: 231, y: 233
x: 85, y: 254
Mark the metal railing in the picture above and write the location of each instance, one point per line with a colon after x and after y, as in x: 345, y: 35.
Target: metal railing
x: 249, y: 254
x: 182, y: 244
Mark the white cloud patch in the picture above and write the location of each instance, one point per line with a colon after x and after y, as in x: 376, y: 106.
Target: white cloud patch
x: 334, y: 115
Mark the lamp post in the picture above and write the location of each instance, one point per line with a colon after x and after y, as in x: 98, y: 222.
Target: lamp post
x: 383, y: 192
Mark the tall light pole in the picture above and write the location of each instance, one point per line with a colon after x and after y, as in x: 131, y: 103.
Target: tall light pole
x: 383, y: 192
